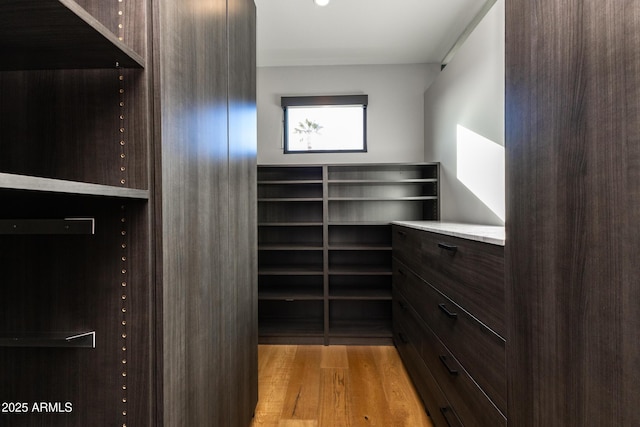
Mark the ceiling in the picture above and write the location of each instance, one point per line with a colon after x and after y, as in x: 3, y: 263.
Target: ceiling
x: 348, y: 32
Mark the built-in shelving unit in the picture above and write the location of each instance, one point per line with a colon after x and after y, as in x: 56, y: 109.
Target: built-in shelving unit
x: 325, y: 247
x: 98, y: 237
x: 290, y: 253
x: 74, y: 226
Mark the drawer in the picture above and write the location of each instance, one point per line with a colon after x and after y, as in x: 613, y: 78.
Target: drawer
x: 471, y: 273
x: 467, y: 400
x: 407, y: 337
x: 478, y: 349
x: 406, y: 244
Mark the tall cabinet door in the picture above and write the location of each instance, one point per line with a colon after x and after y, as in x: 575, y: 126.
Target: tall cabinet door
x: 573, y: 156
x: 204, y: 148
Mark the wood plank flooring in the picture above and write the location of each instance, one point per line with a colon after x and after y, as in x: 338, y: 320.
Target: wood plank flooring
x: 335, y: 386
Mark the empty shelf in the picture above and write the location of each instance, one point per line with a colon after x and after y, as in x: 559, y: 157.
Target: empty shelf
x: 58, y: 34
x: 10, y: 181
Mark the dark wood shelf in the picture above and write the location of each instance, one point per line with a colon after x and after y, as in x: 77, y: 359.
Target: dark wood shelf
x: 357, y: 223
x: 289, y: 247
x: 296, y: 270
x: 49, y: 185
x: 58, y: 34
x: 290, y: 295
x: 48, y: 226
x: 289, y: 224
x: 382, y: 172
x: 382, y: 181
x: 48, y: 340
x: 304, y: 174
x: 382, y: 199
x: 290, y: 199
x: 359, y: 247
x: 291, y: 182
x: 360, y: 294
x: 359, y: 270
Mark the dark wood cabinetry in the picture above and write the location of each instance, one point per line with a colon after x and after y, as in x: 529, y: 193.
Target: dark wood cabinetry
x: 74, y: 119
x: 205, y: 181
x: 129, y: 294
x: 325, y: 247
x: 448, y: 308
x: 573, y: 183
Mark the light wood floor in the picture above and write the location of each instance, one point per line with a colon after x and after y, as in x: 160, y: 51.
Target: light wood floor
x: 335, y: 386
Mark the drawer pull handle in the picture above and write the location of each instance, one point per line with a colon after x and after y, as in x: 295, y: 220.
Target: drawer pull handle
x: 403, y: 338
x: 402, y: 273
x: 448, y: 412
x: 402, y: 233
x: 402, y: 305
x: 451, y: 248
x: 445, y: 362
x: 446, y: 311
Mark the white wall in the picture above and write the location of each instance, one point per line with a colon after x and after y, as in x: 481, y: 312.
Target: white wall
x: 464, y: 108
x: 395, y: 114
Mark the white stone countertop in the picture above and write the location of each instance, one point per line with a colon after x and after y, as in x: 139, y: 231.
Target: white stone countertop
x: 493, y: 234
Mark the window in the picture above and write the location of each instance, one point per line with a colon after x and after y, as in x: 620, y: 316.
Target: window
x: 325, y: 124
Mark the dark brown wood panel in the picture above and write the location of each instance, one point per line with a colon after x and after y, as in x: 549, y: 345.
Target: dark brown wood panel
x: 206, y: 180
x: 243, y: 209
x: 192, y: 180
x: 134, y: 139
x: 573, y: 184
x: 126, y: 19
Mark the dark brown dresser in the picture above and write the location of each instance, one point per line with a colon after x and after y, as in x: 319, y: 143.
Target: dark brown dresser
x: 449, y: 319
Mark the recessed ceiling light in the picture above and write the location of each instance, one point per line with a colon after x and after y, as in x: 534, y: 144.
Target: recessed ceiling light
x: 321, y: 2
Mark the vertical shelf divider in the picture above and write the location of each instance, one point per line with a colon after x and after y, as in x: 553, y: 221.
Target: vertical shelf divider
x: 325, y: 251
